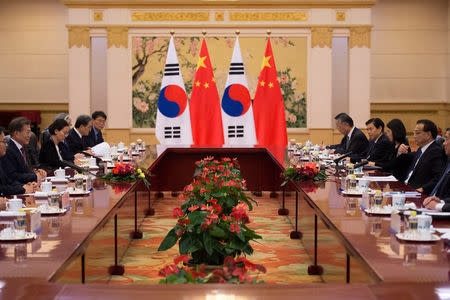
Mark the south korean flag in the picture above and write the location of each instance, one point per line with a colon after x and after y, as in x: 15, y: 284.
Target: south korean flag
x: 237, y: 112
x: 173, y: 123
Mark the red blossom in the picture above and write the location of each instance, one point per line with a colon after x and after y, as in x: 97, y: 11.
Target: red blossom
x: 181, y: 258
x: 177, y: 212
x: 192, y: 208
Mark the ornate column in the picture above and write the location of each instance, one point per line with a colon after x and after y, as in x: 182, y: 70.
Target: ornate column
x: 359, y: 75
x: 119, y: 84
x: 79, y: 71
x: 320, y: 102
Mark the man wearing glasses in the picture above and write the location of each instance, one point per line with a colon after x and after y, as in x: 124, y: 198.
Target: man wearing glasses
x: 95, y: 136
x: 428, y: 161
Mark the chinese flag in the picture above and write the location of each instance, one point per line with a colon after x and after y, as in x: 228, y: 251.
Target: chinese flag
x: 206, y: 121
x: 268, y: 108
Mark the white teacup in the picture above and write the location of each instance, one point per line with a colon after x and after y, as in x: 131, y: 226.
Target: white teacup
x: 14, y: 204
x: 326, y: 153
x: 424, y: 226
x: 92, y: 162
x: 107, y: 156
x: 398, y: 201
x: 364, y: 183
x: 60, y: 173
x: 121, y: 145
x: 46, y: 186
x: 7, y: 233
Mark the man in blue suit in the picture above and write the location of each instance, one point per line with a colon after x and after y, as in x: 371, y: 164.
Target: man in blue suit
x: 440, y: 196
x: 15, y: 162
x: 354, y: 140
x: 95, y: 136
x: 77, y: 138
x: 380, y: 147
x: 7, y: 186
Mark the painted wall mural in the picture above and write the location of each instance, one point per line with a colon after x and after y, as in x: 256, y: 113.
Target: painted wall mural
x: 149, y: 54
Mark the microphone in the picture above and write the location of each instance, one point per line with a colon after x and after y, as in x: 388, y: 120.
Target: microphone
x: 342, y: 157
x: 360, y: 164
x: 98, y: 160
x: 77, y: 168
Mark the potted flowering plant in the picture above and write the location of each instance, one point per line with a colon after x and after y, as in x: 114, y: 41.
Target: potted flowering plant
x: 305, y: 172
x: 126, y: 172
x: 212, y: 222
x: 235, y: 271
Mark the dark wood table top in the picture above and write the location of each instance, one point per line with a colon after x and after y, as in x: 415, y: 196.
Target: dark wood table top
x: 65, y: 237
x: 368, y: 239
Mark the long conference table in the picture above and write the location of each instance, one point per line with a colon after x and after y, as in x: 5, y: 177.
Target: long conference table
x: 29, y: 270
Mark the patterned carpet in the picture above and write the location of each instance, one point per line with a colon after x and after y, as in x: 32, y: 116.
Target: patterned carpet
x: 286, y: 260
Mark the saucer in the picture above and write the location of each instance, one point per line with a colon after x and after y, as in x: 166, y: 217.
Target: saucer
x: 27, y: 236
x: 356, y: 192
x: 57, y: 211
x: 40, y: 195
x: 382, y: 211
x: 73, y: 193
x: 402, y: 236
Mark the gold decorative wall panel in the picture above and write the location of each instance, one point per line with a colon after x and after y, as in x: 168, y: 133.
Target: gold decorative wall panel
x: 268, y: 16
x: 79, y: 36
x: 117, y: 36
x: 98, y: 16
x: 340, y: 16
x: 360, y: 36
x: 170, y: 16
x: 321, y: 36
x: 219, y: 16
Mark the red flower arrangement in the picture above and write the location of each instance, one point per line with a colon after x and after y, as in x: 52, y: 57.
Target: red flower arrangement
x: 212, y: 222
x: 126, y: 172
x: 233, y: 271
x: 305, y: 172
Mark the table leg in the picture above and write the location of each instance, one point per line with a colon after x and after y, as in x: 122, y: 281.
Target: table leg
x: 83, y: 273
x: 283, y: 211
x: 296, y: 234
x: 116, y: 269
x: 273, y: 194
x: 150, y: 211
x: 315, y: 269
x: 136, y: 234
x: 347, y: 280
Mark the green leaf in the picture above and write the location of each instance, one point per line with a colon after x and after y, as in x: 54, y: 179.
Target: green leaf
x: 197, y: 217
x: 208, y: 242
x: 185, y: 243
x: 169, y: 241
x: 217, y: 231
x: 240, y: 235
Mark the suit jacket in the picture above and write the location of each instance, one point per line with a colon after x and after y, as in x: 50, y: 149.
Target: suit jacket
x: 48, y: 157
x: 443, y: 190
x: 14, y: 165
x: 446, y: 206
x: 359, y: 145
x: 381, y: 151
x: 91, y: 141
x: 428, y: 169
x: 9, y: 187
x: 397, y: 165
x: 75, y: 143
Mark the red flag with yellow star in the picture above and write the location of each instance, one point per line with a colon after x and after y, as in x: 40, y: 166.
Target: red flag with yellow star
x: 268, y: 108
x: 206, y: 121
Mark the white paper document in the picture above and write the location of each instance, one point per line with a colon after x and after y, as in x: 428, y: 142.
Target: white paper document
x: 101, y: 149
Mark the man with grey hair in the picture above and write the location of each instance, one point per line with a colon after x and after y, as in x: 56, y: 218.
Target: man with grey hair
x: 76, y: 140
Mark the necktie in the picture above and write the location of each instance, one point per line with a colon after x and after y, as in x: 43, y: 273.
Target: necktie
x: 82, y: 142
x: 413, y: 165
x: 347, y: 143
x: 22, y: 150
x: 436, y: 188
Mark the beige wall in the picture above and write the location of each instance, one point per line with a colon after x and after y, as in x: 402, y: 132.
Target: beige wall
x: 33, y: 51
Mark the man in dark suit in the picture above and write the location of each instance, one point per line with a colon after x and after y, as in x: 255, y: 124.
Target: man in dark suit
x: 440, y: 196
x: 380, y: 147
x: 95, y: 136
x: 7, y: 186
x: 353, y: 141
x: 76, y: 140
x: 14, y: 162
x: 429, y: 160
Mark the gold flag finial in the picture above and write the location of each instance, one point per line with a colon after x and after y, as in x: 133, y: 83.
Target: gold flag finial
x: 268, y: 32
x: 237, y: 31
x: 204, y: 32
x: 172, y: 32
